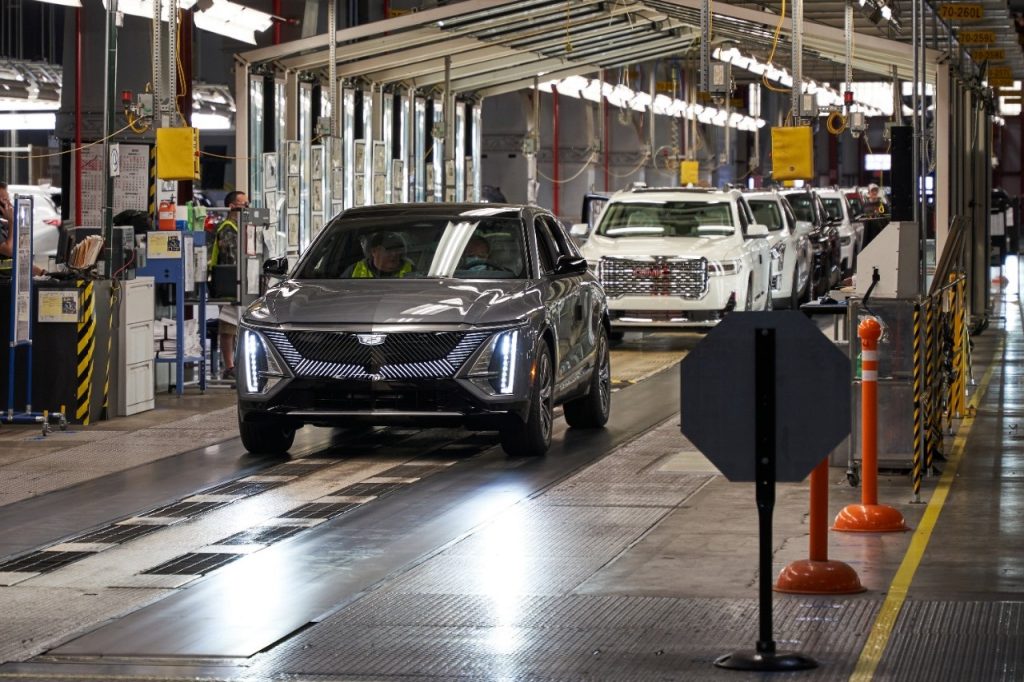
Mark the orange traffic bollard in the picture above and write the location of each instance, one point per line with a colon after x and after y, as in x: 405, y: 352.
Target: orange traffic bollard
x: 818, y: 575
x: 869, y: 516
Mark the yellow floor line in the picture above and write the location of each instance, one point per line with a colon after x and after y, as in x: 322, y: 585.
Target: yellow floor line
x: 881, y: 630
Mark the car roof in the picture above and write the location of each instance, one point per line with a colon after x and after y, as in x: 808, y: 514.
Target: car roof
x: 763, y: 194
x: 708, y: 194
x: 440, y: 209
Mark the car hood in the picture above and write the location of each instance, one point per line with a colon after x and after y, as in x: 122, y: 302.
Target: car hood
x: 711, y: 247
x: 375, y: 302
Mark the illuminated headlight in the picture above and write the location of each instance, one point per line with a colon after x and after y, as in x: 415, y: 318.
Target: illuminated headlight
x: 720, y: 268
x: 495, y: 368
x: 262, y: 370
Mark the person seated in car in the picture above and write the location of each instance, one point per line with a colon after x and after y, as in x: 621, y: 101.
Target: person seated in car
x: 476, y: 253
x: 386, y: 259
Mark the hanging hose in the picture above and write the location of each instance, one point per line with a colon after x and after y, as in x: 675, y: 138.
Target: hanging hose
x: 836, y: 123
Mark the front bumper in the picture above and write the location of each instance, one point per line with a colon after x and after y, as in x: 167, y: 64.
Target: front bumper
x: 338, y: 402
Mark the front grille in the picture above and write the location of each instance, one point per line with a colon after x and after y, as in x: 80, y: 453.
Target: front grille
x: 656, y: 276
x: 402, y: 355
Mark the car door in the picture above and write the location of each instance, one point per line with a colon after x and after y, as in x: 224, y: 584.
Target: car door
x: 800, y: 245
x: 758, y: 250
x: 564, y: 300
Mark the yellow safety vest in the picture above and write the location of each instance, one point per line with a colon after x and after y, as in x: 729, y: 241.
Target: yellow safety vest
x: 362, y: 269
x: 215, y: 249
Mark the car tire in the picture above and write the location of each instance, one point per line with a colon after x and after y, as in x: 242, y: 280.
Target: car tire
x: 532, y: 437
x: 591, y: 410
x: 270, y: 437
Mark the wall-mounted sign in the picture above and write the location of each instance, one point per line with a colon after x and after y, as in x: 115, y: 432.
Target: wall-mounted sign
x: 976, y: 37
x: 961, y: 11
x: 999, y: 73
x: 991, y: 55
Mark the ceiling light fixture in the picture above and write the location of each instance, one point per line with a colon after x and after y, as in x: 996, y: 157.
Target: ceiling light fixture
x: 65, y: 3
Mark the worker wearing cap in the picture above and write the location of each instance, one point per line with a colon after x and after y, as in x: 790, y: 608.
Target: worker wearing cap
x: 876, y: 214
x: 386, y: 258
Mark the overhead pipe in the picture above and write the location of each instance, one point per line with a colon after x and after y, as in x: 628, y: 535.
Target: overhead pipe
x: 796, y: 92
x: 554, y: 157
x: 606, y: 137
x: 332, y: 64
x: 276, y: 9
x: 915, y: 122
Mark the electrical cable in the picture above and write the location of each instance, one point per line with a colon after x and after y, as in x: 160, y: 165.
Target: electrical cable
x: 19, y: 157
x: 586, y: 165
x: 771, y: 55
x: 640, y: 165
x: 830, y: 123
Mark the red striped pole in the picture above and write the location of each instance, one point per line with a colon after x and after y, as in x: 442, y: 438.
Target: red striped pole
x: 869, y: 516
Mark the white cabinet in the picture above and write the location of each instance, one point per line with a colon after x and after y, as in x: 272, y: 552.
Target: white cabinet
x: 135, y: 347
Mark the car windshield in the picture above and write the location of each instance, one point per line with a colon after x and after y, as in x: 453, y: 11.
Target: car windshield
x: 802, y: 207
x: 856, y: 206
x: 766, y: 212
x: 666, y: 219
x: 834, y: 207
x: 477, y: 244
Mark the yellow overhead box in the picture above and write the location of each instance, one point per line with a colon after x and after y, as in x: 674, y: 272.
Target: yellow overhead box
x: 177, y: 153
x: 793, y: 153
x: 689, y: 173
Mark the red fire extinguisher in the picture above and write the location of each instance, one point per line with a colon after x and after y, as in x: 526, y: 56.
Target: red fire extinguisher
x: 167, y: 215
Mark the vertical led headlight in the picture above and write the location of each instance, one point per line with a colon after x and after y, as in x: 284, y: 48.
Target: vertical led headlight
x: 495, y: 368
x: 262, y: 370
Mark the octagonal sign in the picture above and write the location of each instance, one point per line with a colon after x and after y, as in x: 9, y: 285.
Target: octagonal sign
x: 812, y: 395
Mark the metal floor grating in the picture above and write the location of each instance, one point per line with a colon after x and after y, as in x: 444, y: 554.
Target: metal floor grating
x: 185, y: 509
x: 243, y: 488
x: 319, y: 510
x: 193, y: 563
x: 369, y: 489
x: 117, y: 533
x: 42, y: 562
x: 262, y: 535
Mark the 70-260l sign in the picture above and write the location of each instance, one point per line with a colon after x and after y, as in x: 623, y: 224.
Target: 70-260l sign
x: 957, y: 11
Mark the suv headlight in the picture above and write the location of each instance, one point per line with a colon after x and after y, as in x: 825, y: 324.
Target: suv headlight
x: 845, y: 241
x: 495, y: 368
x: 261, y: 368
x: 720, y: 268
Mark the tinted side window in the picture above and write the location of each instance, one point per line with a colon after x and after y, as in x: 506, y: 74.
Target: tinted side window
x: 741, y: 209
x: 547, y: 250
x: 560, y: 237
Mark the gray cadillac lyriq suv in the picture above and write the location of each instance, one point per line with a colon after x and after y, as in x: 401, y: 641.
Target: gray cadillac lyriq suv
x: 483, y: 315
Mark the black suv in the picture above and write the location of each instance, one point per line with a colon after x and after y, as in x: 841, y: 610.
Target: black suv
x: 824, y: 237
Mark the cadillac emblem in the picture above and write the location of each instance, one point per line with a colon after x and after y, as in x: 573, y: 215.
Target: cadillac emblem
x: 371, y: 339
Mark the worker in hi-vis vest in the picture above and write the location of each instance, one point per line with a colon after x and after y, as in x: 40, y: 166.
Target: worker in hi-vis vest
x: 386, y: 259
x: 224, y: 251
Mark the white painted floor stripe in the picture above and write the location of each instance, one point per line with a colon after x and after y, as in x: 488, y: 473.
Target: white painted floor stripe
x: 81, y: 547
x: 389, y: 479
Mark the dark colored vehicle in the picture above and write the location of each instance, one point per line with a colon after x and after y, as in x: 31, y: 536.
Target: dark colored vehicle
x: 824, y: 236
x: 387, y: 319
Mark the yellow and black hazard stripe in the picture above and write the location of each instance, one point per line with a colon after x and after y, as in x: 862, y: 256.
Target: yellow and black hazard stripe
x: 918, y: 384
x: 86, y: 351
x: 152, y: 182
x: 105, y: 414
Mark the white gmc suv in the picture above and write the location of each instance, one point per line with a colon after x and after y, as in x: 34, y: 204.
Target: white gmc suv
x: 679, y: 257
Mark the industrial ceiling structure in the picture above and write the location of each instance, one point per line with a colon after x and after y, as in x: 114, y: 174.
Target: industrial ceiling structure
x: 498, y: 46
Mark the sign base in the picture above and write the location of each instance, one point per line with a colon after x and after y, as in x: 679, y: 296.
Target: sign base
x: 818, y: 577
x: 779, y: 661
x: 869, y: 518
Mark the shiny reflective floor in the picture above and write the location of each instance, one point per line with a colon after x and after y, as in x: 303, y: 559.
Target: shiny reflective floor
x: 153, y: 547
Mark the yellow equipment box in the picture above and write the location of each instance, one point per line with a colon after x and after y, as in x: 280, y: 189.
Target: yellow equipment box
x: 177, y: 153
x: 792, y: 153
x: 689, y: 173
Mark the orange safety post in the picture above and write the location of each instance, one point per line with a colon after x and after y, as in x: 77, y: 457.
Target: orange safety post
x: 818, y: 575
x: 869, y: 516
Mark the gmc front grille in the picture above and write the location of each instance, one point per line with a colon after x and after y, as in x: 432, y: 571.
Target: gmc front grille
x: 656, y: 276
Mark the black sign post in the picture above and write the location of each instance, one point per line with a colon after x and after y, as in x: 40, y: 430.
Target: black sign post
x: 765, y: 657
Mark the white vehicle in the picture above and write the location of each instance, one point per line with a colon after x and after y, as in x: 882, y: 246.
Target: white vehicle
x: 851, y: 231
x: 677, y: 258
x: 45, y: 221
x: 791, y: 250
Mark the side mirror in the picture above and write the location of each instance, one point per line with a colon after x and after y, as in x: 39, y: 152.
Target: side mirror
x: 579, y: 230
x: 757, y: 230
x: 567, y: 265
x: 803, y: 227
x: 277, y: 267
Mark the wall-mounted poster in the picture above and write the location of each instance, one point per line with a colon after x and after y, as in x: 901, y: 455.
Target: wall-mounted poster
x: 293, y: 230
x: 360, y: 156
x: 337, y: 182
x: 360, y: 191
x: 379, y: 162
x: 316, y: 196
x: 294, y: 157
x: 397, y: 168
x: 380, y: 182
x: 293, y: 194
x: 317, y: 160
x: 270, y: 171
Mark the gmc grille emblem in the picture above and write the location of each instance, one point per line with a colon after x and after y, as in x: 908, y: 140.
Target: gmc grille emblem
x: 652, y: 271
x: 371, y: 339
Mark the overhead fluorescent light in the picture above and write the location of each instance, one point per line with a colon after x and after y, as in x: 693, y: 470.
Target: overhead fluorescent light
x: 66, y: 3
x: 210, y: 121
x: 233, y: 20
x: 144, y: 8
x: 32, y: 121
